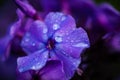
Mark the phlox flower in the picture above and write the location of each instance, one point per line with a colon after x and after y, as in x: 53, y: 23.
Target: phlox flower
x: 55, y: 38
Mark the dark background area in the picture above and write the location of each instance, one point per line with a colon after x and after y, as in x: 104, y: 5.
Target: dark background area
x: 114, y: 3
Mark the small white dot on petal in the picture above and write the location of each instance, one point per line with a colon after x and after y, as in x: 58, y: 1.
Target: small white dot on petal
x: 33, y: 67
x: 72, y: 41
x: 63, y: 18
x: 33, y: 44
x: 45, y: 56
x: 45, y: 30
x: 27, y: 39
x: 20, y: 69
x: 74, y: 63
x: 58, y: 39
x: 56, y: 26
x: 81, y: 45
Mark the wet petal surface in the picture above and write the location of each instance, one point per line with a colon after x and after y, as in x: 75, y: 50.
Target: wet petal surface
x: 34, y: 61
x: 69, y: 64
x: 74, y: 43
x: 34, y: 39
x: 58, y: 22
x: 38, y: 30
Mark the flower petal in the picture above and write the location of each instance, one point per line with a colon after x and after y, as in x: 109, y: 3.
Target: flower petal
x: 34, y: 61
x: 34, y: 38
x: 74, y: 43
x: 61, y: 22
x: 53, y: 71
x: 69, y: 64
x: 67, y: 26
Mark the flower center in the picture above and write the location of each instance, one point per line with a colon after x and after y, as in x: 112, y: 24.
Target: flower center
x: 51, y: 44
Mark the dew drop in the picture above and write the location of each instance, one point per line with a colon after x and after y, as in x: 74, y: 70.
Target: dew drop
x: 33, y: 44
x: 56, y: 26
x: 27, y: 39
x: 63, y: 18
x: 58, y: 39
x: 81, y: 45
x: 33, y: 67
x: 45, y: 30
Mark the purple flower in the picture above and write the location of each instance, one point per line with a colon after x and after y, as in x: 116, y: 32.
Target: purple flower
x: 57, y: 38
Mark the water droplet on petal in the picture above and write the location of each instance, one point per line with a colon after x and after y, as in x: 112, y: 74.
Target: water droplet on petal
x: 45, y: 30
x: 33, y: 67
x: 33, y: 44
x: 27, y: 39
x: 81, y: 45
x: 56, y: 26
x: 58, y: 39
x: 63, y: 18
